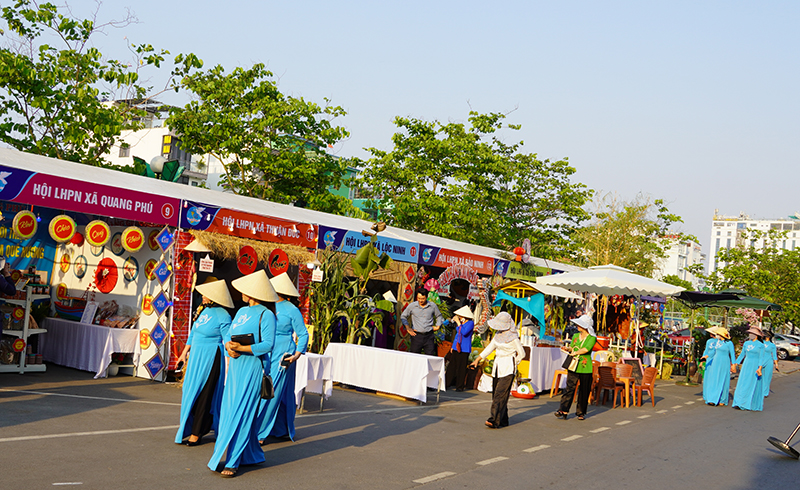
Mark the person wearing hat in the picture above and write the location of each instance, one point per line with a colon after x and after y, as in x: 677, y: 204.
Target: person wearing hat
x: 425, y: 319
x: 771, y: 361
x: 720, y: 357
x: 277, y: 414
x: 508, y: 349
x: 204, y: 375
x: 581, y: 378
x: 237, y: 438
x: 749, y: 393
x: 462, y: 346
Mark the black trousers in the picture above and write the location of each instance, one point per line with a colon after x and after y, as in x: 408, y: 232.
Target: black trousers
x: 201, y: 410
x: 584, y: 390
x: 501, y: 389
x: 457, y: 369
x: 424, y: 342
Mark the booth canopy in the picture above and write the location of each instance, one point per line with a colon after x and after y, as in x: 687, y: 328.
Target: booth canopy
x: 532, y: 304
x: 610, y: 280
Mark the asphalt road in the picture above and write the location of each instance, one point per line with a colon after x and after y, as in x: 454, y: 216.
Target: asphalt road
x: 63, y: 428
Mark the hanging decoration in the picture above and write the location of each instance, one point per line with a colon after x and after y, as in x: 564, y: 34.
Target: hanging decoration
x: 65, y: 262
x: 97, y: 233
x: 77, y: 239
x: 165, y: 239
x: 116, y: 244
x: 62, y: 292
x: 278, y: 262
x: 247, y: 261
x: 105, y: 276
x: 149, y: 267
x: 79, y: 266
x: 144, y: 338
x: 151, y: 240
x: 62, y: 228
x: 25, y: 224
x: 132, y: 239
x: 130, y: 269
x: 147, y: 304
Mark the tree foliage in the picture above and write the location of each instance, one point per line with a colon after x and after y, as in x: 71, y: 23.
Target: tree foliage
x: 628, y: 234
x: 770, y: 273
x: 272, y: 146
x: 463, y: 182
x: 53, y: 84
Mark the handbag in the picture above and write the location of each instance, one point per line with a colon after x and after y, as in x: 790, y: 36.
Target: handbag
x: 568, y: 362
x: 267, y: 388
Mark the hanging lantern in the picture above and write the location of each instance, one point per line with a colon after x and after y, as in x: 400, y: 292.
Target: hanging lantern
x: 519, y: 252
x: 132, y: 239
x: 25, y: 224
x: 97, y: 233
x: 77, y: 239
x: 62, y: 228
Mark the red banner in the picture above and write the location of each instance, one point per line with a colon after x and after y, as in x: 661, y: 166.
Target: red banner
x: 482, y: 265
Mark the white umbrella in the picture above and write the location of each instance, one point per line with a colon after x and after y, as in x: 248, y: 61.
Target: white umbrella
x: 610, y: 280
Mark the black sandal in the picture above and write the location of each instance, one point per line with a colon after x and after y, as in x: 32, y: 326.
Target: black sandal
x: 232, y: 472
x: 581, y: 417
x: 561, y: 415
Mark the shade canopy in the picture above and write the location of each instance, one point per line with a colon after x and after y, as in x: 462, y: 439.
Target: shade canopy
x: 610, y: 280
x: 553, y: 291
x: 697, y: 299
x: 745, y: 301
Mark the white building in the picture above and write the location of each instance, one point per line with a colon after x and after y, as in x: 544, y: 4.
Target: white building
x: 682, y: 254
x: 730, y: 231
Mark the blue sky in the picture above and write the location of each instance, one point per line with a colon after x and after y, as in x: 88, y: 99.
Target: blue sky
x: 693, y: 102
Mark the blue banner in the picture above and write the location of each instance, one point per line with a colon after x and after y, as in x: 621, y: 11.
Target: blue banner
x: 350, y: 241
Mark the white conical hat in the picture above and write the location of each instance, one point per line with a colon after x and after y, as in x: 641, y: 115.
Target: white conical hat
x: 465, y: 312
x: 388, y: 296
x: 283, y: 285
x: 257, y: 286
x: 197, y: 246
x: 216, y: 291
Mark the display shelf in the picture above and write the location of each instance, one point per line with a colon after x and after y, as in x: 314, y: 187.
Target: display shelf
x: 24, y: 334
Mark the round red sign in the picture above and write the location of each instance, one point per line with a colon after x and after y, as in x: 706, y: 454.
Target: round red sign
x: 62, y: 228
x: 25, y: 224
x: 247, y: 260
x: 97, y: 233
x: 278, y: 262
x: 132, y: 239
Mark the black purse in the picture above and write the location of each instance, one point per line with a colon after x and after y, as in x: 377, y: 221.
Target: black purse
x: 567, y: 362
x: 267, y: 388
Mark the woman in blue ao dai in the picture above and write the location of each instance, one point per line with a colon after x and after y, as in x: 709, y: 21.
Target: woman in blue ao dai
x: 717, y: 379
x: 204, y: 377
x: 749, y: 393
x: 708, y: 355
x: 237, y: 438
x: 277, y: 414
x: 770, y: 363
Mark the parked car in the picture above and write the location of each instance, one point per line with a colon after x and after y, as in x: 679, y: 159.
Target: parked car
x: 788, y: 347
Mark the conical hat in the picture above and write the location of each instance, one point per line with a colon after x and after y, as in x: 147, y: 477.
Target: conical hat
x: 257, y: 286
x: 465, y: 312
x: 216, y: 291
x: 283, y: 285
x: 388, y: 296
x: 197, y: 246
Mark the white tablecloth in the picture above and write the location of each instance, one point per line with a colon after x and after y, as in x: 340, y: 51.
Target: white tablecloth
x: 544, y: 363
x: 313, y: 373
x: 390, y: 371
x: 86, y: 347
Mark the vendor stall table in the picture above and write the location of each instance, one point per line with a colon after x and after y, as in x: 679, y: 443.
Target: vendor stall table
x: 86, y: 347
x: 543, y: 364
x: 313, y: 375
x: 399, y: 373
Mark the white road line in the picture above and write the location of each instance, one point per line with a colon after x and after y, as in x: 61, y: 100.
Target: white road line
x: 571, y: 438
x: 700, y: 399
x: 437, y: 476
x: 93, y: 433
x: 490, y: 461
x: 92, y: 397
x: 69, y: 483
x: 689, y: 403
x: 643, y: 417
x: 380, y: 410
x: 599, y: 429
x: 537, y: 448
x: 624, y: 422
x: 662, y: 411
x: 678, y: 406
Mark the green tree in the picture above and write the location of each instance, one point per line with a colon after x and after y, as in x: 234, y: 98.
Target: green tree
x: 464, y: 182
x: 677, y: 281
x: 634, y: 235
x: 770, y: 273
x: 53, y: 84
x: 272, y: 146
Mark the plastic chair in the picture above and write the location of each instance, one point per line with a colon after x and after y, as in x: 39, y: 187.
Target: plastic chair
x: 648, y: 384
x: 623, y: 371
x: 557, y: 381
x: 606, y: 382
x: 595, y: 381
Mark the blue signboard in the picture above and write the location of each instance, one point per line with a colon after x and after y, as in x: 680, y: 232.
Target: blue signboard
x: 154, y: 365
x: 350, y: 241
x: 38, y: 251
x: 158, y: 334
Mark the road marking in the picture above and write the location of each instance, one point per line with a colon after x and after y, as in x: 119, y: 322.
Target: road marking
x: 69, y: 483
x: 537, y: 448
x: 662, y: 411
x: 643, y: 417
x: 91, y: 397
x: 600, y: 429
x: 393, y: 409
x: 93, y: 433
x: 437, y: 476
x: 624, y: 422
x: 689, y: 403
x: 677, y: 406
x: 490, y: 461
x: 700, y: 399
x: 571, y: 438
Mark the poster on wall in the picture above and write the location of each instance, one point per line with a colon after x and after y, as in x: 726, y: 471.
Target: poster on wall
x: 38, y: 251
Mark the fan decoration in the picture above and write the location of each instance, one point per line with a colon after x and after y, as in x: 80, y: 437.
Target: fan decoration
x: 25, y: 224
x: 105, y: 276
x: 133, y: 239
x: 62, y: 228
x: 116, y: 245
x: 80, y: 266
x: 97, y: 233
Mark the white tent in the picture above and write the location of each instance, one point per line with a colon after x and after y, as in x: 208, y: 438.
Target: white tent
x: 610, y: 280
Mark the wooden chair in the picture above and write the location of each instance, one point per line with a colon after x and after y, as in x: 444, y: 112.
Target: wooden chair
x: 648, y: 384
x: 606, y: 382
